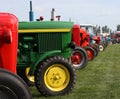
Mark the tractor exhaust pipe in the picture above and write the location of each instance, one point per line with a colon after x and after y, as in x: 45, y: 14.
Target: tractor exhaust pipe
x: 52, y: 14
x: 31, y: 13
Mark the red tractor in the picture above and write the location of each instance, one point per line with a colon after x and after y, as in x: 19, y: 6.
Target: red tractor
x: 82, y: 40
x: 85, y: 43
x: 117, y: 36
x: 79, y: 57
x: 11, y: 85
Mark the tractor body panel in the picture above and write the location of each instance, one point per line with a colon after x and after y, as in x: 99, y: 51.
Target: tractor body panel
x: 89, y: 29
x: 76, y: 35
x: 80, y: 36
x: 8, y: 41
x: 38, y: 40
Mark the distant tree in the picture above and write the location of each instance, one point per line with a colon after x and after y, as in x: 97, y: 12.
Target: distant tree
x: 110, y: 31
x: 105, y: 29
x: 94, y: 29
x: 97, y: 30
x: 118, y: 27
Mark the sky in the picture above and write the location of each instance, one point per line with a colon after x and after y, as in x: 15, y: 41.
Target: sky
x: 96, y: 12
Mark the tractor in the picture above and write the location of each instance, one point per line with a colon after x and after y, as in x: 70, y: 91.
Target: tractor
x: 85, y: 43
x: 11, y: 85
x: 79, y: 57
x: 82, y: 40
x: 44, y: 49
x: 95, y: 40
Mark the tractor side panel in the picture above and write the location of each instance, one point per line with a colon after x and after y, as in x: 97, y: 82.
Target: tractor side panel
x: 76, y: 34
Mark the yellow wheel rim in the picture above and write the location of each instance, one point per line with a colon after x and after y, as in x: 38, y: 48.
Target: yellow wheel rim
x: 30, y: 78
x: 57, y: 77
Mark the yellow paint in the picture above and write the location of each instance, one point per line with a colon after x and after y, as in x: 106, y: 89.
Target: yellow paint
x: 43, y: 30
x: 31, y: 78
x: 57, y: 77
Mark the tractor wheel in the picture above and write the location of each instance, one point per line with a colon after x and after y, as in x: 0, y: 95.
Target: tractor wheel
x: 12, y: 86
x: 90, y: 52
x: 105, y: 44
x: 101, y: 47
x: 96, y: 50
x: 78, y: 58
x: 96, y: 46
x: 23, y: 73
x: 55, y: 76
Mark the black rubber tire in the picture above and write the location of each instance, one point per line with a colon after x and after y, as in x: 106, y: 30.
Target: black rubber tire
x: 84, y: 56
x: 105, y: 44
x: 96, y: 46
x: 40, y: 72
x: 96, y: 50
x: 12, y: 86
x: 22, y: 74
x: 92, y: 52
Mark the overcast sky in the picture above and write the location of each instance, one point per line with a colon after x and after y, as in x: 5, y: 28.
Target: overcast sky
x: 97, y: 12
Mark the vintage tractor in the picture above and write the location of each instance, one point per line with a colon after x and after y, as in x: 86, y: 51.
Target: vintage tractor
x: 79, y: 56
x: 43, y: 52
x: 94, y: 39
x: 102, y: 43
x: 85, y: 43
x: 11, y: 85
x: 82, y: 39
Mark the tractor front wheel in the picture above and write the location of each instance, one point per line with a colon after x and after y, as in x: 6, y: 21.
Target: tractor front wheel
x: 12, y: 86
x: 78, y: 58
x: 90, y: 52
x: 55, y: 76
x: 101, y: 47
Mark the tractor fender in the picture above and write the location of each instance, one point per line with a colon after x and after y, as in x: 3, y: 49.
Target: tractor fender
x: 42, y: 57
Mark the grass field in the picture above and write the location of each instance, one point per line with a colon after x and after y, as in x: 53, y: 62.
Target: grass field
x: 99, y: 80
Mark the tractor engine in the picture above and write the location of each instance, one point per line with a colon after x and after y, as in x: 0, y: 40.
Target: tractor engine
x: 27, y: 46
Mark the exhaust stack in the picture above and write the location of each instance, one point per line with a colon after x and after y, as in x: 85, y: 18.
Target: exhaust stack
x: 52, y: 14
x: 31, y: 13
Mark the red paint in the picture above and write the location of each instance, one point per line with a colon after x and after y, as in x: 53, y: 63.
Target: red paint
x: 85, y: 38
x: 76, y: 58
x: 76, y: 34
x: 8, y: 41
x: 96, y: 39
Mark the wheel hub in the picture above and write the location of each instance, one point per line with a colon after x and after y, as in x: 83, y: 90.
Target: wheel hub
x: 56, y: 77
x: 76, y: 58
x: 101, y: 48
x: 90, y: 55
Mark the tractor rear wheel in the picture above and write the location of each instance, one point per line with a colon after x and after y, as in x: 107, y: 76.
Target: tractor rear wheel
x: 79, y: 58
x: 12, y: 86
x: 55, y: 76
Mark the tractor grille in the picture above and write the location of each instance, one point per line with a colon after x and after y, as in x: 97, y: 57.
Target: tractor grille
x: 49, y: 41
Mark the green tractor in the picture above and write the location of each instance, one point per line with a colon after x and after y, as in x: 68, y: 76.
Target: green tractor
x: 43, y: 56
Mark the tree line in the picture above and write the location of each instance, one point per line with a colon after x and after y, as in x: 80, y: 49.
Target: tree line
x: 105, y: 29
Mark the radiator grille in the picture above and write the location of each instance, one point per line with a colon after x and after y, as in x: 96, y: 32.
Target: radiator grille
x: 49, y: 41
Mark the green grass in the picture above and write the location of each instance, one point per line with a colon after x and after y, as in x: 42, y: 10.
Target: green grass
x: 99, y: 80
